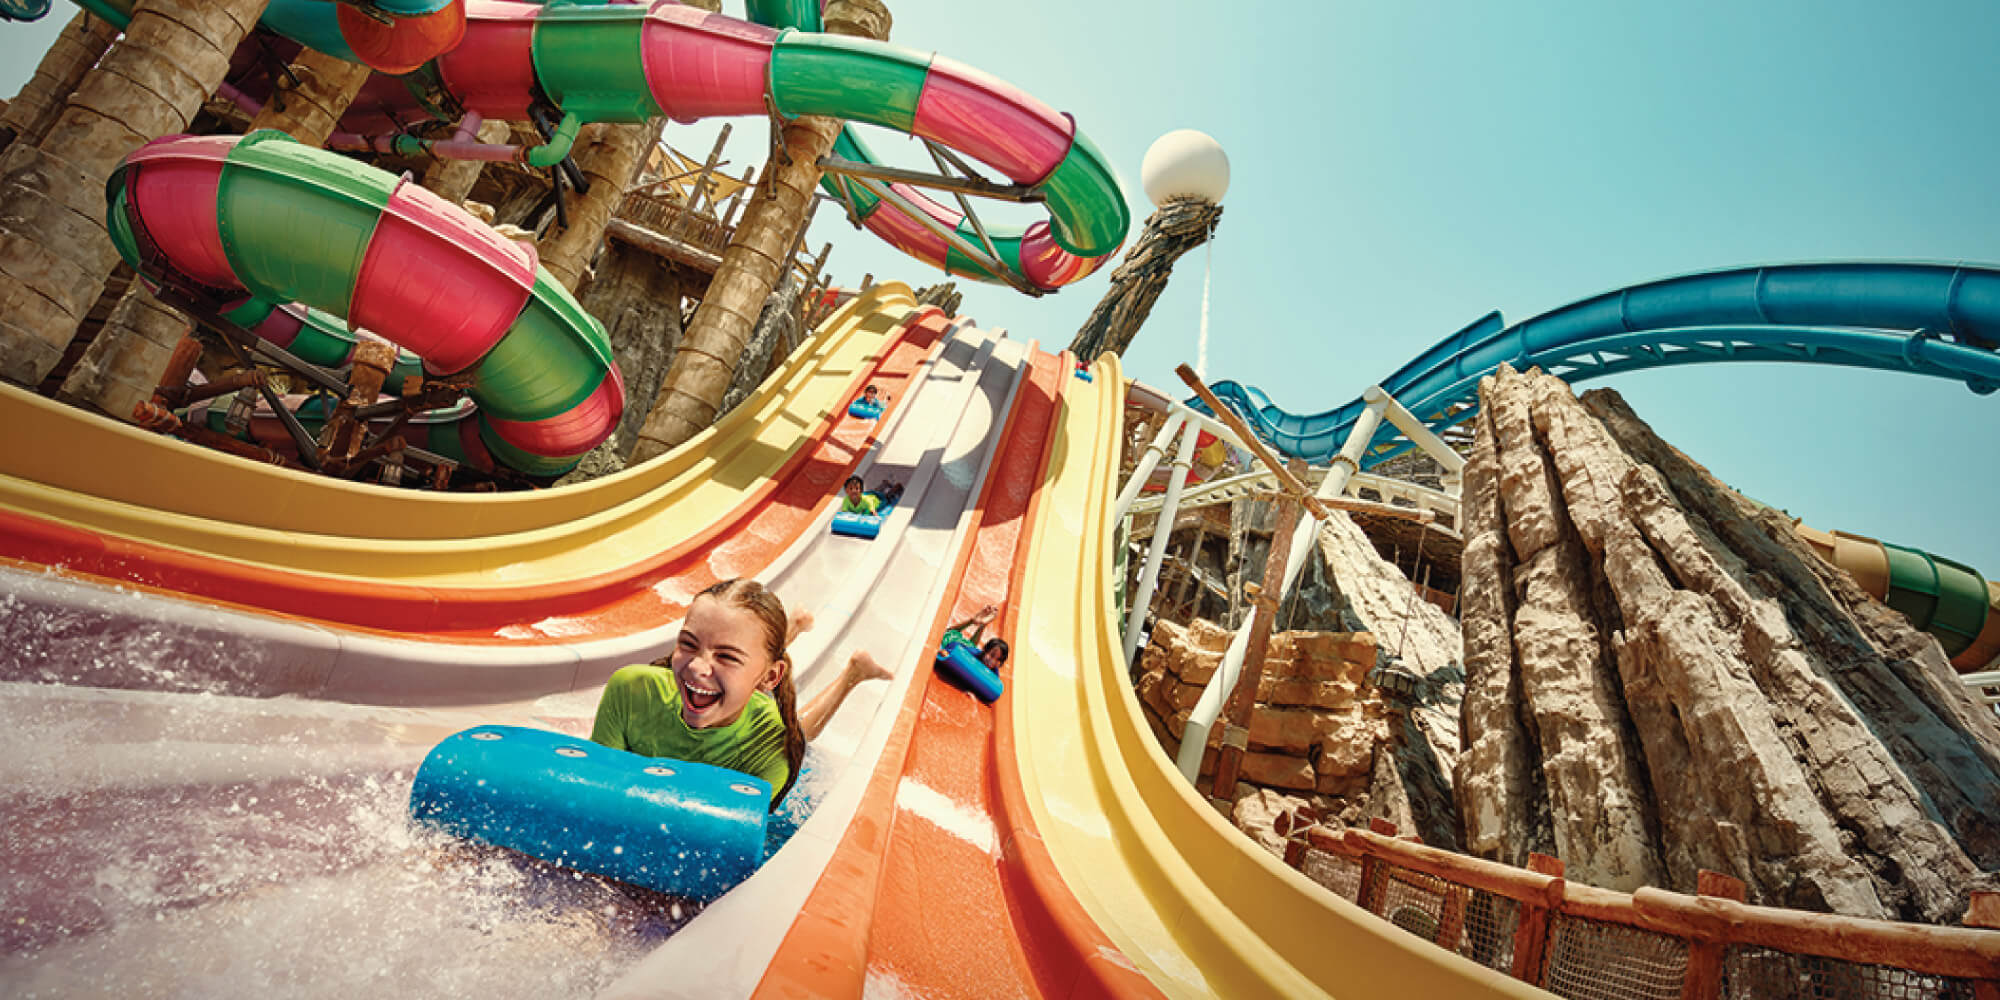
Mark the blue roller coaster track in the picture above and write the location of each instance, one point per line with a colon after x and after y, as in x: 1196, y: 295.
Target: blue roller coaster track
x: 1941, y: 320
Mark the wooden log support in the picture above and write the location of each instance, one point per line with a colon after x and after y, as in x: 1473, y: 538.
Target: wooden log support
x: 1964, y: 953
x: 1982, y: 909
x: 737, y: 200
x: 676, y: 250
x: 1242, y: 704
x: 1705, y: 956
x: 1286, y: 481
x: 180, y: 367
x: 341, y: 439
x: 221, y: 385
x: 698, y: 192
x: 1711, y: 922
x: 1531, y: 934
x: 1451, y: 916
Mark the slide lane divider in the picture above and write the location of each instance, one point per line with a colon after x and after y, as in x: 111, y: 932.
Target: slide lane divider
x: 964, y: 752
x: 729, y: 948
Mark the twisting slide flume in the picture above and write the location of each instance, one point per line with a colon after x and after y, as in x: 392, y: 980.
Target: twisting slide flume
x: 627, y: 62
x: 266, y: 216
x: 632, y: 62
x: 1941, y: 320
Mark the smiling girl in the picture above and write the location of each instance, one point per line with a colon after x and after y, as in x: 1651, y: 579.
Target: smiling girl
x: 725, y: 696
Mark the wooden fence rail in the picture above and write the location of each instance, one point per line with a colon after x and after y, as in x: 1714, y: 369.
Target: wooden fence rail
x: 1915, y: 960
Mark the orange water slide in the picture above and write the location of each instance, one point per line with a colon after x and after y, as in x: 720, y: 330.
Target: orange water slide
x: 944, y: 882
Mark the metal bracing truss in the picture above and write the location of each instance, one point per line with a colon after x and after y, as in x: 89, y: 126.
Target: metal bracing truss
x: 954, y: 176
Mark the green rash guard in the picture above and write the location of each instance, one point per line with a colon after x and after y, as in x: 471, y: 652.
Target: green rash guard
x: 641, y: 712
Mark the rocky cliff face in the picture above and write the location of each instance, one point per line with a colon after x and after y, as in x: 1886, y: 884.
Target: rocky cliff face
x: 1662, y: 678
x: 1318, y: 720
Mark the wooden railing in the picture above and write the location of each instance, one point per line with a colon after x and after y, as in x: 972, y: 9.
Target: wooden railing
x: 1582, y: 941
x: 668, y: 217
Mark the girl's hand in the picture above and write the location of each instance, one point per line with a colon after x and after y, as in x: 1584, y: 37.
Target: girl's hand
x: 986, y: 614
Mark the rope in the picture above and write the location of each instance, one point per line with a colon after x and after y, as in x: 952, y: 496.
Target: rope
x: 1409, y: 609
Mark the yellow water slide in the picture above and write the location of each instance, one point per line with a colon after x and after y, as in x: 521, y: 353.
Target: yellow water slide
x: 1183, y: 894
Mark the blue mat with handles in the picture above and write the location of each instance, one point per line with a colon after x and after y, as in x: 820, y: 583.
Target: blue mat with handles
x: 670, y: 825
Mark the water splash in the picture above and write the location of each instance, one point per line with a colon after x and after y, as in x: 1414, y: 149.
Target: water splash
x: 264, y: 847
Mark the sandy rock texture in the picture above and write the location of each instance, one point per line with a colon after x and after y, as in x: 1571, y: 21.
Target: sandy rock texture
x: 1662, y: 678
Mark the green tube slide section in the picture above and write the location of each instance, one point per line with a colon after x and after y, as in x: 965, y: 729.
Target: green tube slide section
x: 1086, y: 208
x: 800, y: 14
x: 326, y: 341
x: 540, y: 367
x: 274, y: 189
x: 956, y: 260
x: 878, y: 83
x: 844, y: 77
x: 1938, y: 595
x: 589, y: 60
x: 848, y: 147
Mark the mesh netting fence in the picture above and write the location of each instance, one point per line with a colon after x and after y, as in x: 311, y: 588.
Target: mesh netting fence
x: 1752, y: 973
x: 1594, y: 960
x: 1339, y: 874
x: 1588, y: 959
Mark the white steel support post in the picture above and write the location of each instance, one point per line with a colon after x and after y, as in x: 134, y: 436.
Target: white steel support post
x: 1163, y: 527
x: 1423, y: 437
x: 1194, y: 739
x: 1147, y: 463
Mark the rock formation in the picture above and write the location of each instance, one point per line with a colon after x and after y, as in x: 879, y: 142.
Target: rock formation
x: 1662, y: 678
x: 1318, y: 720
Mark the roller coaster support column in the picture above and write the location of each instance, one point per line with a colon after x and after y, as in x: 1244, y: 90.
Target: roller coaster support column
x: 31, y: 112
x: 1147, y: 463
x: 1402, y: 419
x: 1163, y: 528
x: 124, y: 365
x: 54, y: 251
x: 709, y: 352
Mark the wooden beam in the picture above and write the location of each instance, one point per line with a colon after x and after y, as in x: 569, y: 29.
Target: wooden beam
x: 697, y: 194
x: 678, y: 251
x: 1286, y: 481
x: 1242, y: 703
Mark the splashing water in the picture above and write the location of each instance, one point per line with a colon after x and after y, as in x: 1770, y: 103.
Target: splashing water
x: 177, y: 844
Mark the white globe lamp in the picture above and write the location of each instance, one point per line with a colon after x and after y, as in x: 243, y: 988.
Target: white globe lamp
x: 1185, y: 163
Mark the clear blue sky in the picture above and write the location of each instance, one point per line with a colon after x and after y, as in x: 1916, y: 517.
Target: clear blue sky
x: 1401, y: 169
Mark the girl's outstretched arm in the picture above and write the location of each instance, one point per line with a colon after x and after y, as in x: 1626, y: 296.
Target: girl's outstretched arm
x: 979, y: 620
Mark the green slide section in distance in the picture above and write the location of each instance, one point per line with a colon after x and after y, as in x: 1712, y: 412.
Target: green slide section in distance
x: 842, y: 77
x: 590, y: 60
x: 1087, y: 209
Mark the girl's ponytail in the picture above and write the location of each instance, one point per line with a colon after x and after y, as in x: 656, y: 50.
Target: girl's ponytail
x: 795, y: 734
